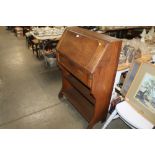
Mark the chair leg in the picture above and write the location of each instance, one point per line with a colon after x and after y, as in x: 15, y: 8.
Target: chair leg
x: 37, y: 53
x: 33, y: 48
x: 111, y: 117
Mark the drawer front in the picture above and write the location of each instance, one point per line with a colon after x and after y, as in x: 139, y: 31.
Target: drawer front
x: 75, y: 70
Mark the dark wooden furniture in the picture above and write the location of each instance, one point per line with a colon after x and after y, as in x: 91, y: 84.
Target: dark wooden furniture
x: 128, y: 32
x: 88, y: 61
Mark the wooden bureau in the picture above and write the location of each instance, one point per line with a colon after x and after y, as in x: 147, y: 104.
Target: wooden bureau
x: 88, y: 62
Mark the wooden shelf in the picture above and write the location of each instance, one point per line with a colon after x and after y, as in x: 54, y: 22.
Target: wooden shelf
x: 85, y: 107
x: 83, y: 90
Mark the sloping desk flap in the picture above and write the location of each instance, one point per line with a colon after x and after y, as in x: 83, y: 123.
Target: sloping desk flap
x: 83, y: 47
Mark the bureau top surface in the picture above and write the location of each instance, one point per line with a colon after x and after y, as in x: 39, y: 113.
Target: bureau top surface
x: 84, y: 47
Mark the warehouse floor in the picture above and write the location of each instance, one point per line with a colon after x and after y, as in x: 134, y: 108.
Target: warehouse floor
x: 29, y: 91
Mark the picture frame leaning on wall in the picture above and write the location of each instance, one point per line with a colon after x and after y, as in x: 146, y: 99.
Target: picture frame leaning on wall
x: 141, y: 94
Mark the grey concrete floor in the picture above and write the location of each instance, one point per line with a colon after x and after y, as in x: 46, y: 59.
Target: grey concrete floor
x: 29, y: 91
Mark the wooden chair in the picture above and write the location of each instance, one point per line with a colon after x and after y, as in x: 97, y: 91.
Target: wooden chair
x: 36, y: 47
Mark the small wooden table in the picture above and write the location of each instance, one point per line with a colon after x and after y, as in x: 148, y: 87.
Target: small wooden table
x: 47, y: 33
x: 46, y: 37
x: 43, y: 34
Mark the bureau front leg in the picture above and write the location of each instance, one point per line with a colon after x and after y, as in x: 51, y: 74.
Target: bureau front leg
x: 91, y: 124
x: 60, y: 95
x: 100, y: 112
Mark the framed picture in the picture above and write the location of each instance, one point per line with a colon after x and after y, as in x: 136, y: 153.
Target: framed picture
x: 141, y: 94
x: 131, y: 74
